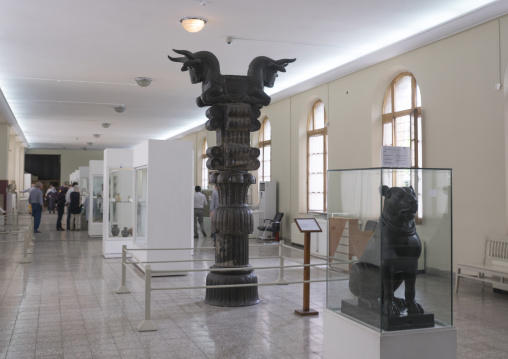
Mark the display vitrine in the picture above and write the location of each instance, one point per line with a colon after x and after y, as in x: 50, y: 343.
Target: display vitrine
x: 118, y: 216
x: 96, y: 201
x: 380, y: 220
x: 84, y: 173
x: 141, y: 206
x: 164, y: 203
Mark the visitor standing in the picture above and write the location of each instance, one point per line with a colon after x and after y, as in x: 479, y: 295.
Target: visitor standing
x: 214, y: 203
x: 199, y: 204
x: 53, y: 196
x: 75, y: 209
x: 60, y: 206
x: 68, y: 202
x: 36, y: 201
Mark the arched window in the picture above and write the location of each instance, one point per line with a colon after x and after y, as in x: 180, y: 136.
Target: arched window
x: 204, y: 169
x: 265, y: 148
x: 402, y: 125
x: 317, y: 158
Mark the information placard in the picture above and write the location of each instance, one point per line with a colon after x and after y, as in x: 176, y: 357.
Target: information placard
x: 392, y: 156
x: 307, y: 225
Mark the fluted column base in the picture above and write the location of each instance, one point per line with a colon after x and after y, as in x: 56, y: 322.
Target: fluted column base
x: 231, y: 297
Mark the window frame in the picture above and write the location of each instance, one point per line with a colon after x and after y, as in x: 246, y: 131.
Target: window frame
x: 416, y: 124
x: 262, y: 144
x: 316, y: 133
x: 204, y: 169
x: 415, y: 113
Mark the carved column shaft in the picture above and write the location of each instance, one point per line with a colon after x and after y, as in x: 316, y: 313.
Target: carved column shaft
x: 233, y: 223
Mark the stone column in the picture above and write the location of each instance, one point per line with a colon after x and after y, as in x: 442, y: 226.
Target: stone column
x: 233, y: 158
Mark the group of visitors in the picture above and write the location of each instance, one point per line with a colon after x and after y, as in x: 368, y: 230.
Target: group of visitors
x: 67, y: 196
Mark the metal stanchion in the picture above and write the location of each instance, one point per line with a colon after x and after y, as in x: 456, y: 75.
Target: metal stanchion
x: 281, y: 279
x: 123, y: 286
x: 26, y: 246
x: 146, y: 325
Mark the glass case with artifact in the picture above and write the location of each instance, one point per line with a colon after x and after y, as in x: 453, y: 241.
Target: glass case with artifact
x: 141, y: 206
x: 84, y: 174
x: 390, y: 234
x: 163, y: 201
x: 95, y: 208
x: 119, y: 199
x: 98, y: 203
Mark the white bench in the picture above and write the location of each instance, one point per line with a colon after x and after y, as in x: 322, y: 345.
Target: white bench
x: 494, y: 268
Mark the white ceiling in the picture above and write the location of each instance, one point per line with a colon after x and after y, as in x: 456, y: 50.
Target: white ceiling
x: 64, y: 64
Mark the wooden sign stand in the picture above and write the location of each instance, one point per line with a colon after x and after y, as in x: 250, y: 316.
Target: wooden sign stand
x: 306, y: 226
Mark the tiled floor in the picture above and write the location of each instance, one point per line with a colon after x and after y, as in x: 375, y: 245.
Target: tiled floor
x: 63, y: 305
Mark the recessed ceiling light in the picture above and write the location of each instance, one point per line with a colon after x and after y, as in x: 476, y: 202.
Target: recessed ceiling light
x: 105, y: 124
x: 143, y: 81
x: 120, y: 108
x: 96, y: 135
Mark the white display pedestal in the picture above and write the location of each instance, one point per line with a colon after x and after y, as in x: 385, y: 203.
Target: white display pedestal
x: 346, y: 338
x: 118, y: 181
x: 96, y: 203
x: 164, y: 203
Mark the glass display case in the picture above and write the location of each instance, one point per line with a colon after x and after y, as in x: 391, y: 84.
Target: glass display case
x: 141, y: 198
x: 163, y: 204
x: 121, y: 201
x: 84, y: 175
x: 95, y: 209
x: 390, y: 233
x: 97, y: 200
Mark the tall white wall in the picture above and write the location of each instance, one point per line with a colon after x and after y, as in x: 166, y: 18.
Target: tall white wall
x: 464, y: 120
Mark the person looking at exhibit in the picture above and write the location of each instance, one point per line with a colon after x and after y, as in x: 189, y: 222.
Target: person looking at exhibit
x: 214, y: 203
x: 75, y: 209
x: 199, y: 204
x: 36, y: 201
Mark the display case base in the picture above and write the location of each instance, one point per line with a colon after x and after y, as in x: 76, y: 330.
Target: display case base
x: 346, y: 338
x: 403, y: 322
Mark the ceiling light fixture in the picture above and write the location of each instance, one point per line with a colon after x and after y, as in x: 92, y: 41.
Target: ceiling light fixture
x: 143, y: 81
x: 105, y: 124
x: 193, y: 24
x: 120, y: 108
x: 89, y: 143
x: 96, y: 135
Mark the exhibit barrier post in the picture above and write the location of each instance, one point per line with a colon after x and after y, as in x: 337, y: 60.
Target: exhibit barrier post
x: 26, y: 243
x: 281, y: 279
x: 123, y: 285
x: 31, y: 234
x: 146, y: 325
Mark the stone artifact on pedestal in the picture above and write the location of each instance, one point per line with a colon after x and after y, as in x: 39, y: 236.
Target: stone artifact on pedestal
x: 235, y: 107
x: 390, y: 259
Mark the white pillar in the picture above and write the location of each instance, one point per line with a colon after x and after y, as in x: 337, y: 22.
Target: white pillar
x: 4, y: 151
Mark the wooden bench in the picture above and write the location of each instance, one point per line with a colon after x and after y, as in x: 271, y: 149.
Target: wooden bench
x: 494, y: 268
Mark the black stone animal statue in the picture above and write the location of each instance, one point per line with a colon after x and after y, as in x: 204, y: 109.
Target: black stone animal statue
x: 391, y: 257
x: 203, y: 66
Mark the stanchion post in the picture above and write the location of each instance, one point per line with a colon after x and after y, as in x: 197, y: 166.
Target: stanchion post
x: 26, y: 245
x: 281, y: 279
x: 32, y: 234
x: 123, y: 285
x: 146, y: 325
